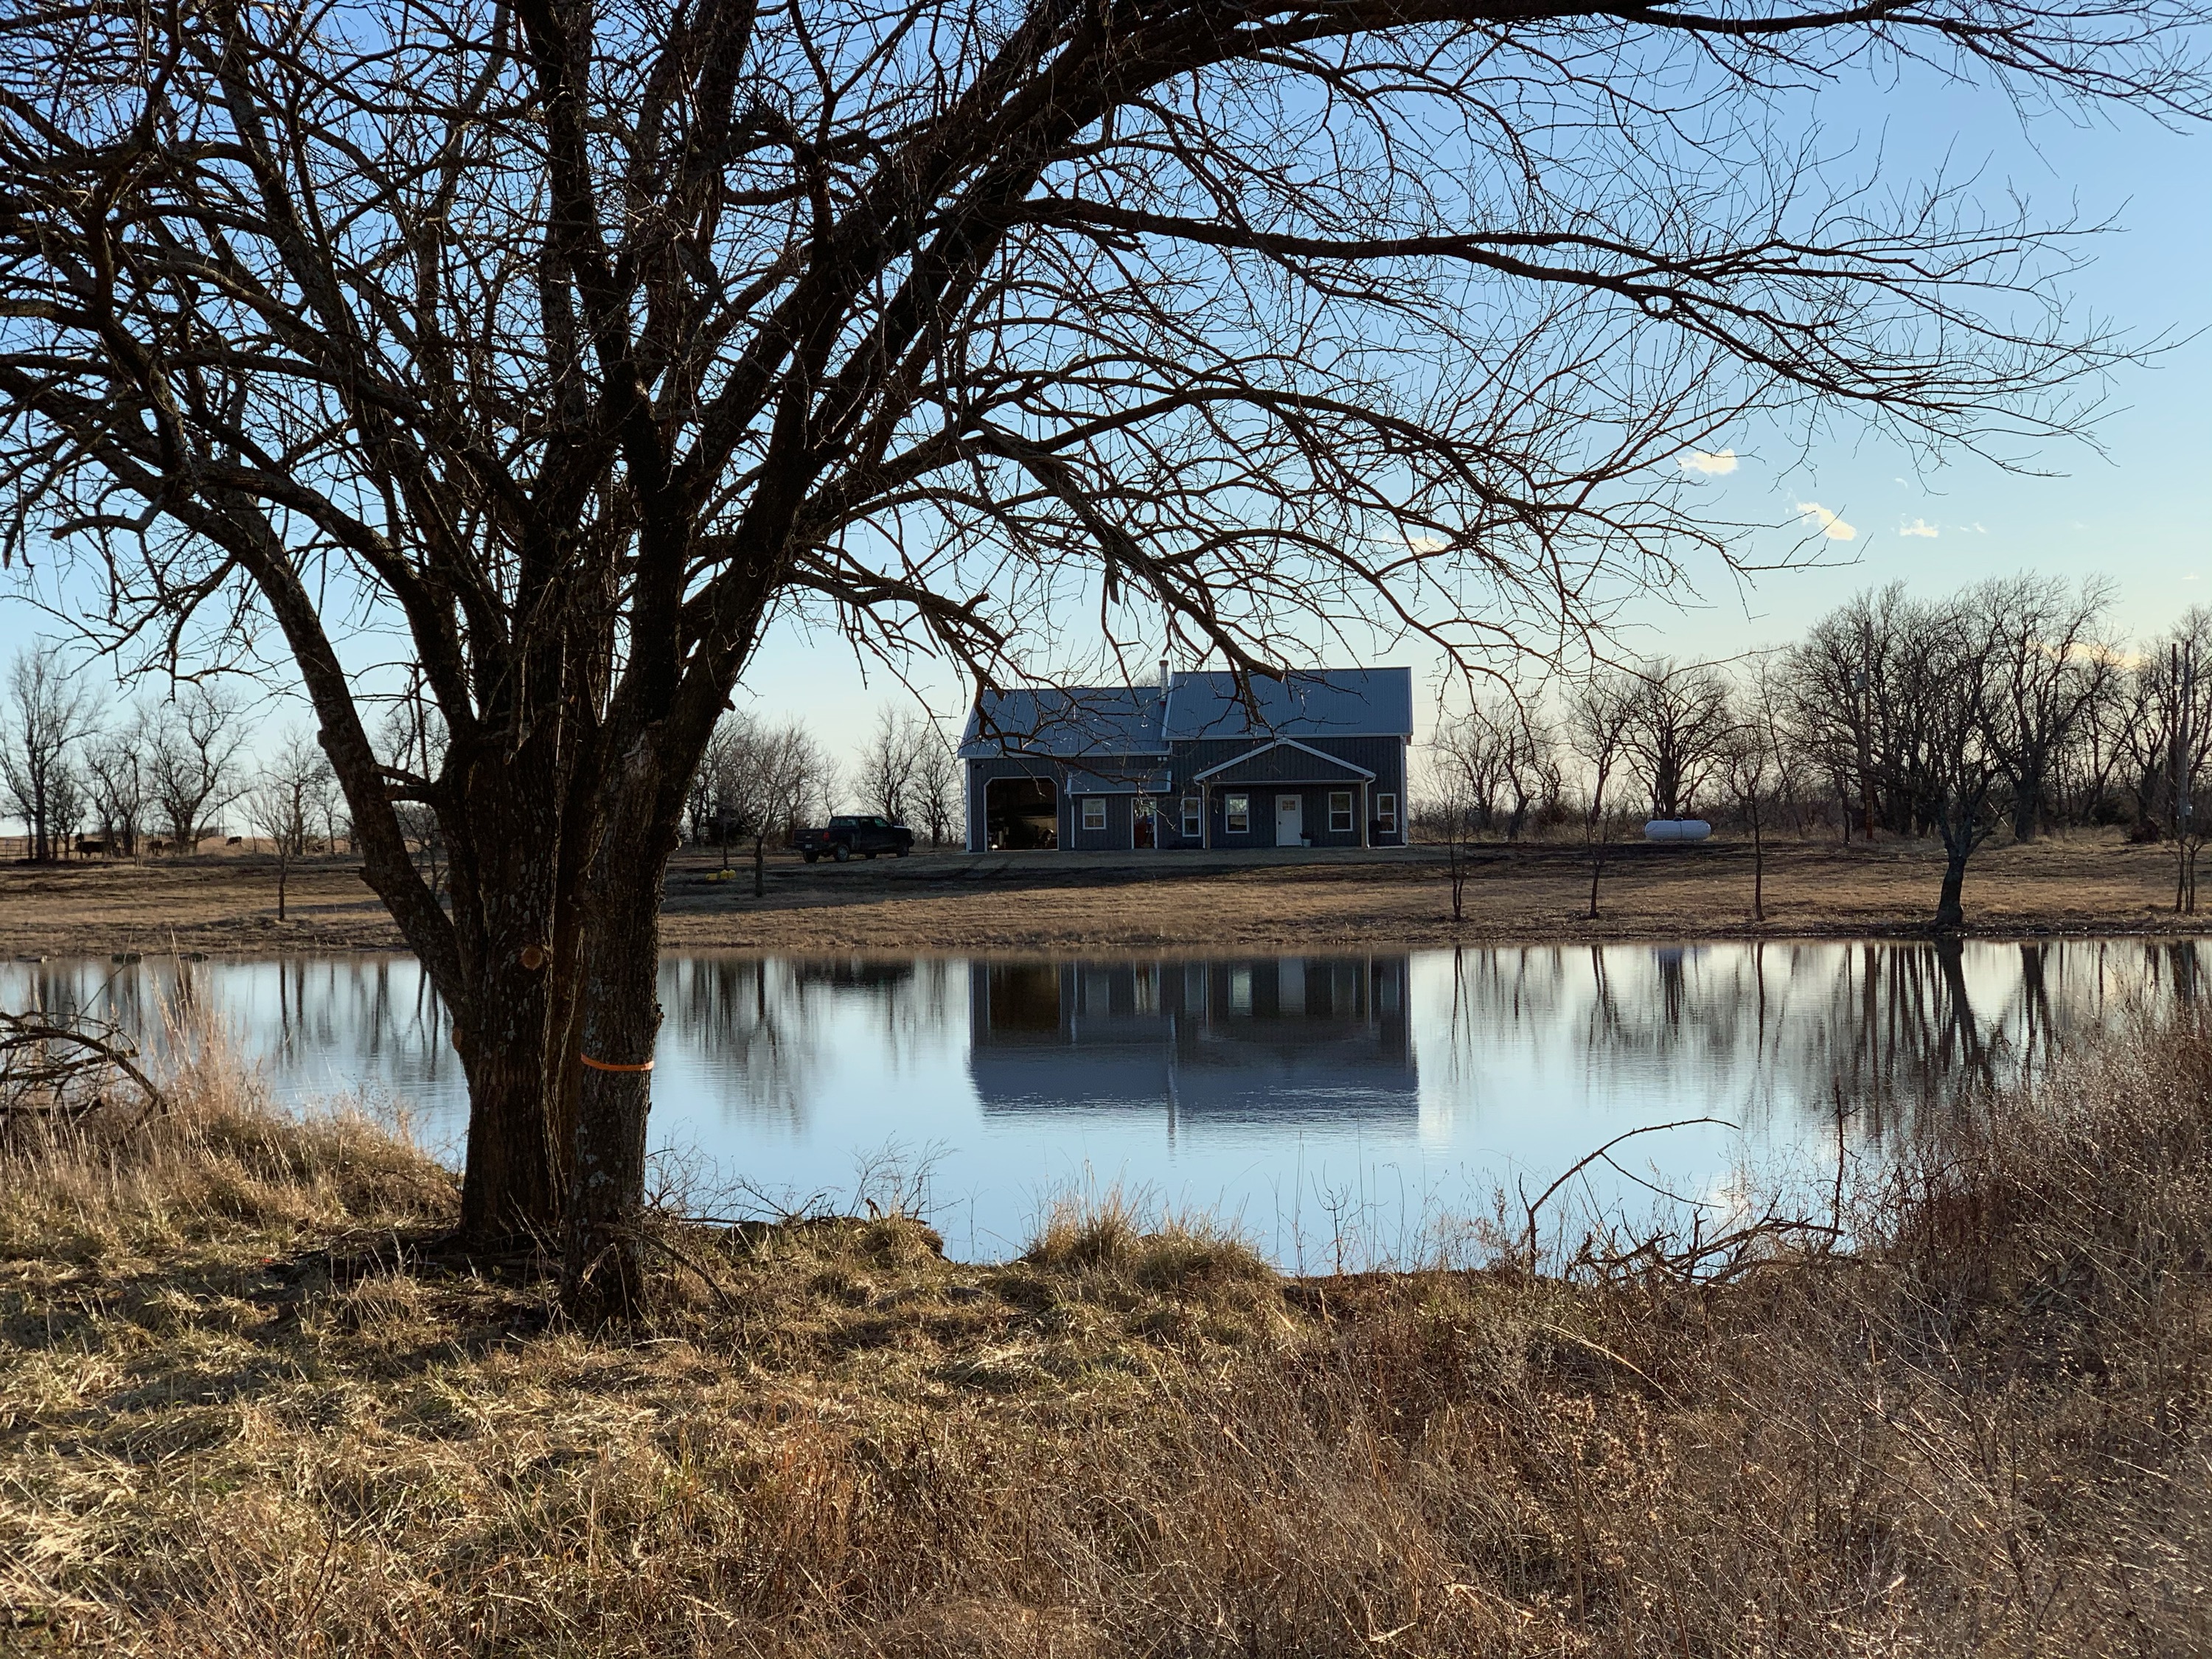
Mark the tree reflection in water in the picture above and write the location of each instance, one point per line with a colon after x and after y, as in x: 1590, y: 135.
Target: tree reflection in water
x: 1391, y: 1043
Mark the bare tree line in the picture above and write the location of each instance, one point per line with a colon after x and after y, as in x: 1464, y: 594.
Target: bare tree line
x: 2011, y: 707
x: 149, y: 777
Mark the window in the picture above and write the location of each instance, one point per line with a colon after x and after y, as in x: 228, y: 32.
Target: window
x: 1237, y: 810
x: 1386, y: 814
x: 1094, y: 812
x: 1339, y: 811
x: 1190, y: 824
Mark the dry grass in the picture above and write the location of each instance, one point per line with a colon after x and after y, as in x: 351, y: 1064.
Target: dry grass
x: 250, y: 1406
x: 2089, y: 881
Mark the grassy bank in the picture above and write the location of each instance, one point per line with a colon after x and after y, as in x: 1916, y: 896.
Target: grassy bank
x: 248, y: 1404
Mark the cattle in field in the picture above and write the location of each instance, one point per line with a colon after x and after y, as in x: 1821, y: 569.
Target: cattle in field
x: 235, y: 840
x: 90, y: 848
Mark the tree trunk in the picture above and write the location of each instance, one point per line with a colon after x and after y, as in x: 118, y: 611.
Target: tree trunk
x: 1950, y: 913
x: 2027, y: 807
x: 280, y: 886
x: 760, y: 867
x: 1758, y: 873
x: 515, y: 972
x: 603, y: 1267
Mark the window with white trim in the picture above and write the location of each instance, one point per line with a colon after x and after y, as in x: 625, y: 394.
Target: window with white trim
x: 1339, y: 811
x: 1191, y: 826
x: 1094, y: 812
x: 1237, y: 813
x: 1386, y: 814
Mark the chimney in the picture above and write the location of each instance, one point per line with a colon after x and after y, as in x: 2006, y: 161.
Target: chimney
x: 1164, y: 674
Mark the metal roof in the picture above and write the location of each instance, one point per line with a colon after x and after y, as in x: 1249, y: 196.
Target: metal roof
x: 1135, y: 719
x: 1326, y: 702
x: 1082, y: 721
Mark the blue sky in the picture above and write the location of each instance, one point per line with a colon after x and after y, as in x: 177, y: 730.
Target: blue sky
x: 2134, y: 507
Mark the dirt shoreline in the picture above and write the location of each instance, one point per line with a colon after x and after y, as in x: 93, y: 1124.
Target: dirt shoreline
x: 225, y: 905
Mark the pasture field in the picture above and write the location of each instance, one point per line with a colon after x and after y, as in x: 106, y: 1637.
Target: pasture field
x: 225, y: 902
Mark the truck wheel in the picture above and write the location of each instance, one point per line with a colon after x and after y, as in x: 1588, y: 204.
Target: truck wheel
x: 810, y: 856
x: 871, y: 857
x: 840, y: 854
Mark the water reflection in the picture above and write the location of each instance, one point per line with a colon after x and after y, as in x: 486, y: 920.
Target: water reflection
x: 1390, y: 1086
x: 1282, y: 1040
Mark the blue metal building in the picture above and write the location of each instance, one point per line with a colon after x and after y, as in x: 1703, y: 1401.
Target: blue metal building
x: 1314, y: 759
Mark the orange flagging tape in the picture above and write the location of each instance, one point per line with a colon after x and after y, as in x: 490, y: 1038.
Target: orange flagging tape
x: 602, y: 1066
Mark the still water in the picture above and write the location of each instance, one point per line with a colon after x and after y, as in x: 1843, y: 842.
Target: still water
x: 1329, y: 1103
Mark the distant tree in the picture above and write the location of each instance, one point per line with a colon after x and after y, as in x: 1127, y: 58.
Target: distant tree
x: 1599, y: 711
x: 762, y: 780
x: 66, y: 806
x: 192, y: 760
x: 1751, y: 772
x: 46, y: 713
x: 1949, y: 672
x: 1502, y: 763
x: 1676, y: 727
x: 115, y: 778
x: 889, y: 762
x: 940, y: 792
x: 2051, y: 665
x: 283, y: 804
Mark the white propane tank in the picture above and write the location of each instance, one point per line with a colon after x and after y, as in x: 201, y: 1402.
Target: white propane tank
x: 1677, y: 829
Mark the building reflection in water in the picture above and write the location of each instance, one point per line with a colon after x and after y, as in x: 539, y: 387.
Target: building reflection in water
x: 1257, y: 1040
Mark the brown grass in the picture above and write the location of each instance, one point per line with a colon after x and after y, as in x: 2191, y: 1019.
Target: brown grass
x: 2084, y: 881
x: 250, y: 1405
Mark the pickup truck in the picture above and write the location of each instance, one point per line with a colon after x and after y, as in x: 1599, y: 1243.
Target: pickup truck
x: 866, y: 834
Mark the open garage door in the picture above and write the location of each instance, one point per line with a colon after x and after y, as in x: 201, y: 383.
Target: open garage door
x: 1021, y: 813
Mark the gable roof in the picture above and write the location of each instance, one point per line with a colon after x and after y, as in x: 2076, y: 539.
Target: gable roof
x: 1285, y: 760
x: 1326, y: 702
x: 1111, y: 719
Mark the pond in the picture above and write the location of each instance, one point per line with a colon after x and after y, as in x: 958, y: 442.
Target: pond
x: 1340, y: 1107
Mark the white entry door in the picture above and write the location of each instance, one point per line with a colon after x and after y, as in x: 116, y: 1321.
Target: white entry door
x: 1290, y: 819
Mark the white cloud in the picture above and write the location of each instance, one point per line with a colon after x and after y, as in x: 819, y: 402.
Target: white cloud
x: 1919, y: 527
x: 1707, y: 465
x: 1832, y: 526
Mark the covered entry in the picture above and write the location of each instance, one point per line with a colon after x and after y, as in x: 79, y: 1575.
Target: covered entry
x: 1286, y: 794
x: 1020, y: 814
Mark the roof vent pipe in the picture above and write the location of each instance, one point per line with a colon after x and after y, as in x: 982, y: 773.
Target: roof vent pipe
x: 1163, y: 673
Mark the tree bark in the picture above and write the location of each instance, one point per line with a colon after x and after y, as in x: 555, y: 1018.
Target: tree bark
x: 603, y: 1269
x: 514, y: 976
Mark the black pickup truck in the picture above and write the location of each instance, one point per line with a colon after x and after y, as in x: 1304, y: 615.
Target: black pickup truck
x: 859, y: 834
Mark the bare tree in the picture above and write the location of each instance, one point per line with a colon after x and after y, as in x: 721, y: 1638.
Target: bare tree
x: 1751, y: 772
x: 1598, y: 715
x: 888, y: 763
x: 764, y: 781
x: 569, y: 343
x: 46, y: 713
x: 2169, y: 736
x: 2052, y: 666
x: 281, y: 803
x: 192, y: 760
x: 1502, y: 762
x: 939, y: 790
x: 1676, y: 730
x: 116, y: 779
x: 1949, y: 672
